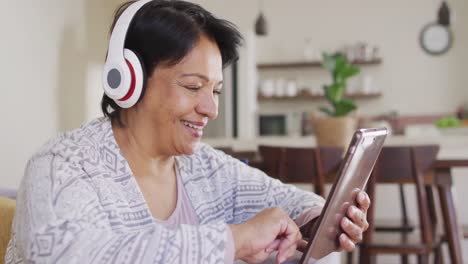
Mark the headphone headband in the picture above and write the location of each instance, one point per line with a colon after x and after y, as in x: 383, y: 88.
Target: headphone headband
x: 123, y: 74
x: 117, y: 39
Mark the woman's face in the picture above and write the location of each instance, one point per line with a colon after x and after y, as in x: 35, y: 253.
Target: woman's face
x: 180, y: 99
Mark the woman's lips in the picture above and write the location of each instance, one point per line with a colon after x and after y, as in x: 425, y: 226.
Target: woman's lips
x: 194, y: 128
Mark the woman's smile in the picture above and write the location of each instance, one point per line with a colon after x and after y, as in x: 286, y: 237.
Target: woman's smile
x: 194, y: 128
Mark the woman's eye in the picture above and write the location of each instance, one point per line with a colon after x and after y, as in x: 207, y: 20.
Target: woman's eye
x: 194, y: 88
x: 217, y: 92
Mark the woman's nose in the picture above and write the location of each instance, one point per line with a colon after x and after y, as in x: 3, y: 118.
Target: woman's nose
x: 208, y: 105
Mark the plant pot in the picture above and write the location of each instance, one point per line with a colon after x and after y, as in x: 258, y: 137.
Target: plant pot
x: 334, y: 131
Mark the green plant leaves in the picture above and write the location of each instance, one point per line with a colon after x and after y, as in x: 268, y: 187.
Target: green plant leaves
x: 448, y: 121
x: 334, y: 92
x: 343, y: 107
x: 340, y: 70
x: 343, y: 69
x: 340, y: 66
x: 327, y: 111
x: 349, y: 71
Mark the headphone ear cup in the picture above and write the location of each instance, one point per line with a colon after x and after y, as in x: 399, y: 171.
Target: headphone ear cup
x: 137, y: 80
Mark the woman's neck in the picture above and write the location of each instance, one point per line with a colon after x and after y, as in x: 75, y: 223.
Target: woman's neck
x: 142, y: 152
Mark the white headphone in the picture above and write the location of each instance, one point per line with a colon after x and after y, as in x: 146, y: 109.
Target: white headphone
x: 123, y: 73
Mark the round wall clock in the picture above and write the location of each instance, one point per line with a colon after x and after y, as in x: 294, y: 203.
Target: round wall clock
x: 436, y: 39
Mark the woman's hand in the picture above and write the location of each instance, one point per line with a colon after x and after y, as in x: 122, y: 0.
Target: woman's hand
x: 270, y: 230
x: 355, y: 223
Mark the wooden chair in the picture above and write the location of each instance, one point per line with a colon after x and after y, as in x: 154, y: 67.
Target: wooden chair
x: 310, y: 165
x: 393, y: 225
x: 271, y: 158
x: 227, y: 150
x: 301, y: 165
x: 403, y: 165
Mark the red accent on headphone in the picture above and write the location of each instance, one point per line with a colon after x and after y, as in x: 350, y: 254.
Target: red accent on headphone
x: 132, y: 84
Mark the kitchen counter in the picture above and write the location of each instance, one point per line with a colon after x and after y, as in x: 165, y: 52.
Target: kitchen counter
x: 452, y: 146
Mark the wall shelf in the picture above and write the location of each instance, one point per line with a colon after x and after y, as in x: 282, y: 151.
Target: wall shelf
x: 307, y: 64
x: 304, y: 95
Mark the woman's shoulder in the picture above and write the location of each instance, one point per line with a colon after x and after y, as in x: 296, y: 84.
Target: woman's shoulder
x: 76, y: 144
x: 66, y: 157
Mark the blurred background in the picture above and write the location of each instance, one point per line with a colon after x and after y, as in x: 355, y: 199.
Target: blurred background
x: 53, y: 53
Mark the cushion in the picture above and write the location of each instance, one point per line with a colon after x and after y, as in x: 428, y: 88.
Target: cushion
x: 7, y: 211
x: 10, y: 193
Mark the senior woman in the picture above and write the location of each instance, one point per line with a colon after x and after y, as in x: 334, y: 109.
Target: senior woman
x: 137, y: 186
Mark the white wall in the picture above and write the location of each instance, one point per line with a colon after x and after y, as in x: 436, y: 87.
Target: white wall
x: 46, y: 47
x: 459, y: 67
x: 32, y: 40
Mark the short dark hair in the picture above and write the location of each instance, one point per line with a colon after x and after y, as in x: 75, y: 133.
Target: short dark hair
x: 164, y: 32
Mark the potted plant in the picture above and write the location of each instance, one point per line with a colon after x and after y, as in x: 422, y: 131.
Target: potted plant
x: 336, y: 125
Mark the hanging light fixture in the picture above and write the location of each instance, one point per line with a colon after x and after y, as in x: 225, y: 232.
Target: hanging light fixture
x: 261, y: 27
x: 443, y: 16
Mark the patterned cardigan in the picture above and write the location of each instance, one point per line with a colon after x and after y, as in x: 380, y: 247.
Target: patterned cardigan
x: 79, y: 203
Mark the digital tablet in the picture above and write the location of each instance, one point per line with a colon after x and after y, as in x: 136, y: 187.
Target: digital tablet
x: 322, y: 233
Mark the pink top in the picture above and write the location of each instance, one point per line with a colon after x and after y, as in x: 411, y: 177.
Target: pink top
x: 184, y: 214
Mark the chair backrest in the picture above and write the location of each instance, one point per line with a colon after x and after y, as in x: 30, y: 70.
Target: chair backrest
x: 271, y: 157
x: 7, y: 211
x: 395, y: 164
x: 301, y: 165
x: 405, y: 164
x: 310, y: 165
x: 227, y: 150
x: 331, y: 158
